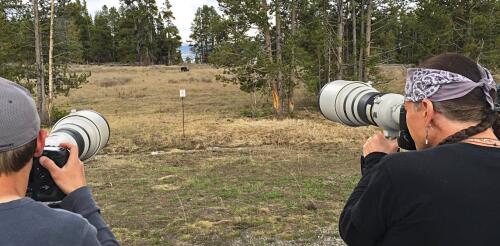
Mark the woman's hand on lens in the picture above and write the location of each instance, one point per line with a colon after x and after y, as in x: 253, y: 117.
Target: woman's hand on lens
x: 71, y: 176
x: 378, y: 143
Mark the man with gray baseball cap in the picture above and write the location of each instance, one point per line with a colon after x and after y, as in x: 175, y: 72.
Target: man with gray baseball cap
x: 24, y: 221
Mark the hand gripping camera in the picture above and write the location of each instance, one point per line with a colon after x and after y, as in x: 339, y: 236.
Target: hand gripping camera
x: 86, y: 129
x: 356, y: 103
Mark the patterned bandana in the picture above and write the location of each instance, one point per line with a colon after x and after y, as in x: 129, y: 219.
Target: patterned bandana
x: 438, y: 85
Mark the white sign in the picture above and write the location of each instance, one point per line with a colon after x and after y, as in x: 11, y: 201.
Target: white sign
x: 182, y: 93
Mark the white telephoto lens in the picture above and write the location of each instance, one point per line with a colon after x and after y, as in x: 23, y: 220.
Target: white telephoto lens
x: 346, y: 102
x: 87, y: 129
x: 355, y: 103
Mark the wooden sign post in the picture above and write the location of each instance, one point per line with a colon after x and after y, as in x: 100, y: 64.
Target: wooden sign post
x: 182, y: 94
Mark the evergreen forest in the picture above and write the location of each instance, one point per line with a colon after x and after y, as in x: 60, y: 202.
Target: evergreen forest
x: 269, y: 46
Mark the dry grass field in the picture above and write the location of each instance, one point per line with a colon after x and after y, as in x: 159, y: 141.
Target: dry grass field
x: 231, y: 180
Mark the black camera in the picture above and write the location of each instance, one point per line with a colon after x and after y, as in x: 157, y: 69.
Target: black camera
x: 405, y: 140
x: 41, y: 186
x: 86, y: 129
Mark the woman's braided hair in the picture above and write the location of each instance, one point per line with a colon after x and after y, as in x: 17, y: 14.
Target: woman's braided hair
x: 472, y: 107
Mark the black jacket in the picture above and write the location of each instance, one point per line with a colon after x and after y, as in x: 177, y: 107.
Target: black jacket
x: 448, y: 195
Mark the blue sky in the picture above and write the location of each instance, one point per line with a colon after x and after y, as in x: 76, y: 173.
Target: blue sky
x: 184, y: 11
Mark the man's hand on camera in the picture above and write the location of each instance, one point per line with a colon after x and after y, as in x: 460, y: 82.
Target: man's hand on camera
x: 71, y: 176
x: 378, y: 143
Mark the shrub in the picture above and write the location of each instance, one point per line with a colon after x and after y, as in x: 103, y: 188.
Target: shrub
x: 58, y: 114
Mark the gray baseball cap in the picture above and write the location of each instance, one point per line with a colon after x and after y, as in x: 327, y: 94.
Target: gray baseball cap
x: 19, y: 121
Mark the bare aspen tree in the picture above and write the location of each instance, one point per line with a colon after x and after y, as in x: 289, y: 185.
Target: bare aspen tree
x: 39, y: 64
x: 362, y: 38
x: 292, y: 80
x: 354, y: 39
x: 51, y: 61
x: 328, y: 42
x: 340, y: 38
x: 347, y: 40
x: 279, y: 58
x: 369, y: 8
x: 329, y: 56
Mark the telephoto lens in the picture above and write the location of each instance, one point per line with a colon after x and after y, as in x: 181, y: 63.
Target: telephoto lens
x: 88, y: 130
x: 355, y: 103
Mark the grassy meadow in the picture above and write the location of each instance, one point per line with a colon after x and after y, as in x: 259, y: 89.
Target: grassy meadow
x: 231, y: 180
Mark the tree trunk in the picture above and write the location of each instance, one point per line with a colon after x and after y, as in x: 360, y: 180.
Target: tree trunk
x: 51, y: 62
x: 267, y: 33
x: 275, y: 89
x: 320, y: 84
x: 113, y: 45
x: 328, y: 43
x: 354, y: 41
x: 279, y: 59
x: 329, y: 58
x: 138, y: 45
x: 292, y: 80
x: 361, y: 50
x: 347, y: 40
x: 340, y: 38
x: 368, y: 38
x: 39, y: 65
x: 151, y: 56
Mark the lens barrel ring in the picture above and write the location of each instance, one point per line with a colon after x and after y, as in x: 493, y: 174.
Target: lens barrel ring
x: 75, y: 135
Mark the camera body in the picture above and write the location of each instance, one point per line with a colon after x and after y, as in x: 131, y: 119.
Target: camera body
x: 86, y: 129
x: 405, y: 140
x: 41, y: 186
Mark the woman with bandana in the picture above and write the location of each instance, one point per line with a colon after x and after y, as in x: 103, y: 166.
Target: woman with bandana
x: 448, y: 191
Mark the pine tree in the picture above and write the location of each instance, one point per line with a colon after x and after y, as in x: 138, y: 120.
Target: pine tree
x: 206, y: 32
x: 101, y: 48
x: 114, y: 19
x: 168, y: 39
